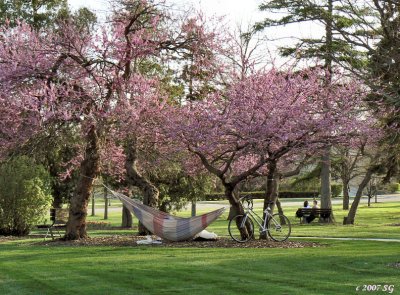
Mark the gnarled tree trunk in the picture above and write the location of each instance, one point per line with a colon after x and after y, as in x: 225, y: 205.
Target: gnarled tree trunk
x: 135, y: 178
x: 236, y: 208
x: 90, y: 167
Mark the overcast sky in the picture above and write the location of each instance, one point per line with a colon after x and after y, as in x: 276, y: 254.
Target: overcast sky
x: 243, y: 12
x: 234, y: 10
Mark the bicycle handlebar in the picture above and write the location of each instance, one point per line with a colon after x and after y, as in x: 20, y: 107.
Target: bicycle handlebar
x: 248, y: 200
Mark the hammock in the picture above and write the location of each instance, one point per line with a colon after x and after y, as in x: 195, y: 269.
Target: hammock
x: 166, y: 226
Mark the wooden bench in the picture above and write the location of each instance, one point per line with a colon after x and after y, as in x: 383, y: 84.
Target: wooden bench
x: 303, y: 213
x: 59, y: 219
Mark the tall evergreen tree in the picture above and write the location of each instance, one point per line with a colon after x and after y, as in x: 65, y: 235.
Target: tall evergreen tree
x: 384, y: 71
x: 377, y: 32
x: 38, y: 13
x: 362, y: 37
x: 330, y: 47
x: 323, y: 48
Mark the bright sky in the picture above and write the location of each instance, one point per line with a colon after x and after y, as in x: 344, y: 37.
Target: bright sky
x: 234, y: 10
x: 242, y: 12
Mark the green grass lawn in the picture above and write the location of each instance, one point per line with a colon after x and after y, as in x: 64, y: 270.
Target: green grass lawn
x: 336, y: 267
x: 381, y: 220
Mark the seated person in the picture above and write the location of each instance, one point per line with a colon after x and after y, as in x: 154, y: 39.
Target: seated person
x: 312, y: 215
x: 299, y: 214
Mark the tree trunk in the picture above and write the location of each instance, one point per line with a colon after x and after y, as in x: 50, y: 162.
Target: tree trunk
x: 126, y: 218
x: 57, y: 200
x: 105, y: 204
x: 93, y: 205
x: 55, y: 187
x: 236, y: 208
x: 90, y: 167
x: 271, y: 194
x: 371, y: 191
x: 346, y: 197
x: 271, y: 187
x: 234, y: 195
x: 150, y: 192
x: 279, y: 206
x: 329, y: 40
x: 353, y: 210
x: 326, y: 202
x: 325, y: 161
x: 193, y: 207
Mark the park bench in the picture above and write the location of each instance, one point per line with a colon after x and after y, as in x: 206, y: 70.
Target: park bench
x: 303, y: 213
x: 58, y: 218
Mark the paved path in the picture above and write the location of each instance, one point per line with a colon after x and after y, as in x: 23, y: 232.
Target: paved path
x: 205, y: 205
x: 213, y: 205
x: 349, y: 239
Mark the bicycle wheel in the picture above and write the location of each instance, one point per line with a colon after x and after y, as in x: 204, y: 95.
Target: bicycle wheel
x: 279, y: 227
x: 241, y: 228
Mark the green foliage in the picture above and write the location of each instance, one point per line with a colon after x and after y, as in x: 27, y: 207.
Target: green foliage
x: 384, y: 68
x: 309, y: 181
x: 84, y: 19
x: 338, y: 49
x: 45, y: 14
x: 178, y: 188
x: 53, y: 148
x: 336, y: 189
x: 169, y: 84
x: 394, y: 187
x: 39, y: 13
x: 24, y: 195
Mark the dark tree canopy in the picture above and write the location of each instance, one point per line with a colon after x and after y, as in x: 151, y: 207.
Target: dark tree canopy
x: 38, y: 13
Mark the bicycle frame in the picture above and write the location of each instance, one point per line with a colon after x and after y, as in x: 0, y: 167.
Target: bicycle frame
x: 257, y: 219
x: 241, y: 227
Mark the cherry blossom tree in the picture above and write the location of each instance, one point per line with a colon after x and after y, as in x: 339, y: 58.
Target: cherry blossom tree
x: 193, y: 47
x: 77, y: 78
x: 263, y: 118
x: 92, y: 79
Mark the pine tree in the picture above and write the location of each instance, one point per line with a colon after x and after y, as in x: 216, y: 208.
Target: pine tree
x: 38, y: 13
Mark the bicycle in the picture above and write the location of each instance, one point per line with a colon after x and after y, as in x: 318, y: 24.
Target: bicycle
x: 241, y: 226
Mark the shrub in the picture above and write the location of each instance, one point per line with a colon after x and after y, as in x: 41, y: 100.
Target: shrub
x: 261, y: 195
x: 24, y: 195
x: 394, y: 187
x: 302, y: 195
x: 336, y: 189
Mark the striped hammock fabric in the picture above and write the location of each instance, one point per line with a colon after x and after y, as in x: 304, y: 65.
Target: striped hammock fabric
x: 166, y: 226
